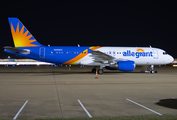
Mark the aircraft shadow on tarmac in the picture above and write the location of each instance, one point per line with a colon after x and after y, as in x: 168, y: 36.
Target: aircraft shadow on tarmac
x: 169, y: 103
x: 106, y: 73
x: 49, y: 70
x: 65, y: 72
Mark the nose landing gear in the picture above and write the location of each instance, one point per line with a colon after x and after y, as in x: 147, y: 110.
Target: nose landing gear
x: 148, y: 69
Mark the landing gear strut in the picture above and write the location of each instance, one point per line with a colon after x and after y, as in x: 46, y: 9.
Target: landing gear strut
x: 99, y: 71
x: 152, y: 69
x: 148, y: 69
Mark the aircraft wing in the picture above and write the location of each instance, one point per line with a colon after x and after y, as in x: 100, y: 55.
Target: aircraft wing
x: 15, y: 50
x: 99, y: 56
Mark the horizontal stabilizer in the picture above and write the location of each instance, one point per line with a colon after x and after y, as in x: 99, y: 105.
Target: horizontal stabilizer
x: 15, y: 50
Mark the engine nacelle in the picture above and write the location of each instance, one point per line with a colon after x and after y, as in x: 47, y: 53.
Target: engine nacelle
x: 122, y: 66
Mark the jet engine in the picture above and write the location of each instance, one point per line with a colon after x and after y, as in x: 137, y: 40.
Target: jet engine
x: 122, y: 66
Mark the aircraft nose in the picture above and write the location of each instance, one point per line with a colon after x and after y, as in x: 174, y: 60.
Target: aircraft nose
x: 171, y: 59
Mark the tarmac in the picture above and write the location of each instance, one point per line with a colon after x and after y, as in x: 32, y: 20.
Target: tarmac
x: 40, y: 92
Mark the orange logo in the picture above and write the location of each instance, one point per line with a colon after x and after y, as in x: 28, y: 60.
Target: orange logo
x: 20, y: 38
x: 140, y: 50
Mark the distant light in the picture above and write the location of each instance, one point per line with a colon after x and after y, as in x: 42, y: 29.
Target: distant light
x: 48, y: 45
x: 8, y: 57
x: 174, y: 65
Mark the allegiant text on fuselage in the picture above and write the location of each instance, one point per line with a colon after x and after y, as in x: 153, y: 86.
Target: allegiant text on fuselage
x: 138, y: 54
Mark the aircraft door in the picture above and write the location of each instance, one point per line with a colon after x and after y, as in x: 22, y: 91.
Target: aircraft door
x: 42, y: 52
x: 155, y: 54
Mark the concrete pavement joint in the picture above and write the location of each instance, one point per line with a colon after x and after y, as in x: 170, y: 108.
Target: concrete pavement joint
x: 57, y: 94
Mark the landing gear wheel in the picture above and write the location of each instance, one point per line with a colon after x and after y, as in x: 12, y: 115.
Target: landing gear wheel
x: 94, y: 70
x: 100, y: 71
x: 146, y: 69
x: 152, y: 71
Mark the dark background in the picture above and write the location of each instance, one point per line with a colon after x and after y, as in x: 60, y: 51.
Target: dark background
x: 88, y: 23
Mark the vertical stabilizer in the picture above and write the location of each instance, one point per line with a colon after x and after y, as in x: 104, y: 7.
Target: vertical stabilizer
x: 21, y: 36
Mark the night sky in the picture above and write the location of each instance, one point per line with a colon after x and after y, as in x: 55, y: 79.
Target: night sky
x: 105, y: 23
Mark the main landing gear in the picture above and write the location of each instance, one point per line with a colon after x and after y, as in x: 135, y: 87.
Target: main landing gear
x: 99, y: 71
x: 146, y: 69
x: 94, y: 70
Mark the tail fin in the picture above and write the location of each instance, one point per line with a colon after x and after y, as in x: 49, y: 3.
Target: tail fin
x: 21, y: 36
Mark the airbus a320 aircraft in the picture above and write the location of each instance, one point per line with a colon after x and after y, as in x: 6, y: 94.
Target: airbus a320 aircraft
x: 112, y: 58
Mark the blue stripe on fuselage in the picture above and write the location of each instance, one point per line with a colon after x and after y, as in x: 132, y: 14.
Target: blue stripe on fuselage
x: 54, y: 54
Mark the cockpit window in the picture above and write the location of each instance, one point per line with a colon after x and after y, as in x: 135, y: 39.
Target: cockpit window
x: 165, y: 53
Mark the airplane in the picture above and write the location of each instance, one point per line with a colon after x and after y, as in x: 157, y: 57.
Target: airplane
x: 111, y: 58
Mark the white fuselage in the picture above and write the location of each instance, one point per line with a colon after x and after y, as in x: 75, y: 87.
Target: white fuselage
x: 140, y: 55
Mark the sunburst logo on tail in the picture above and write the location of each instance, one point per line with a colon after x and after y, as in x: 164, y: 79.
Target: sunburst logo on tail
x: 21, y: 36
x: 140, y: 50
